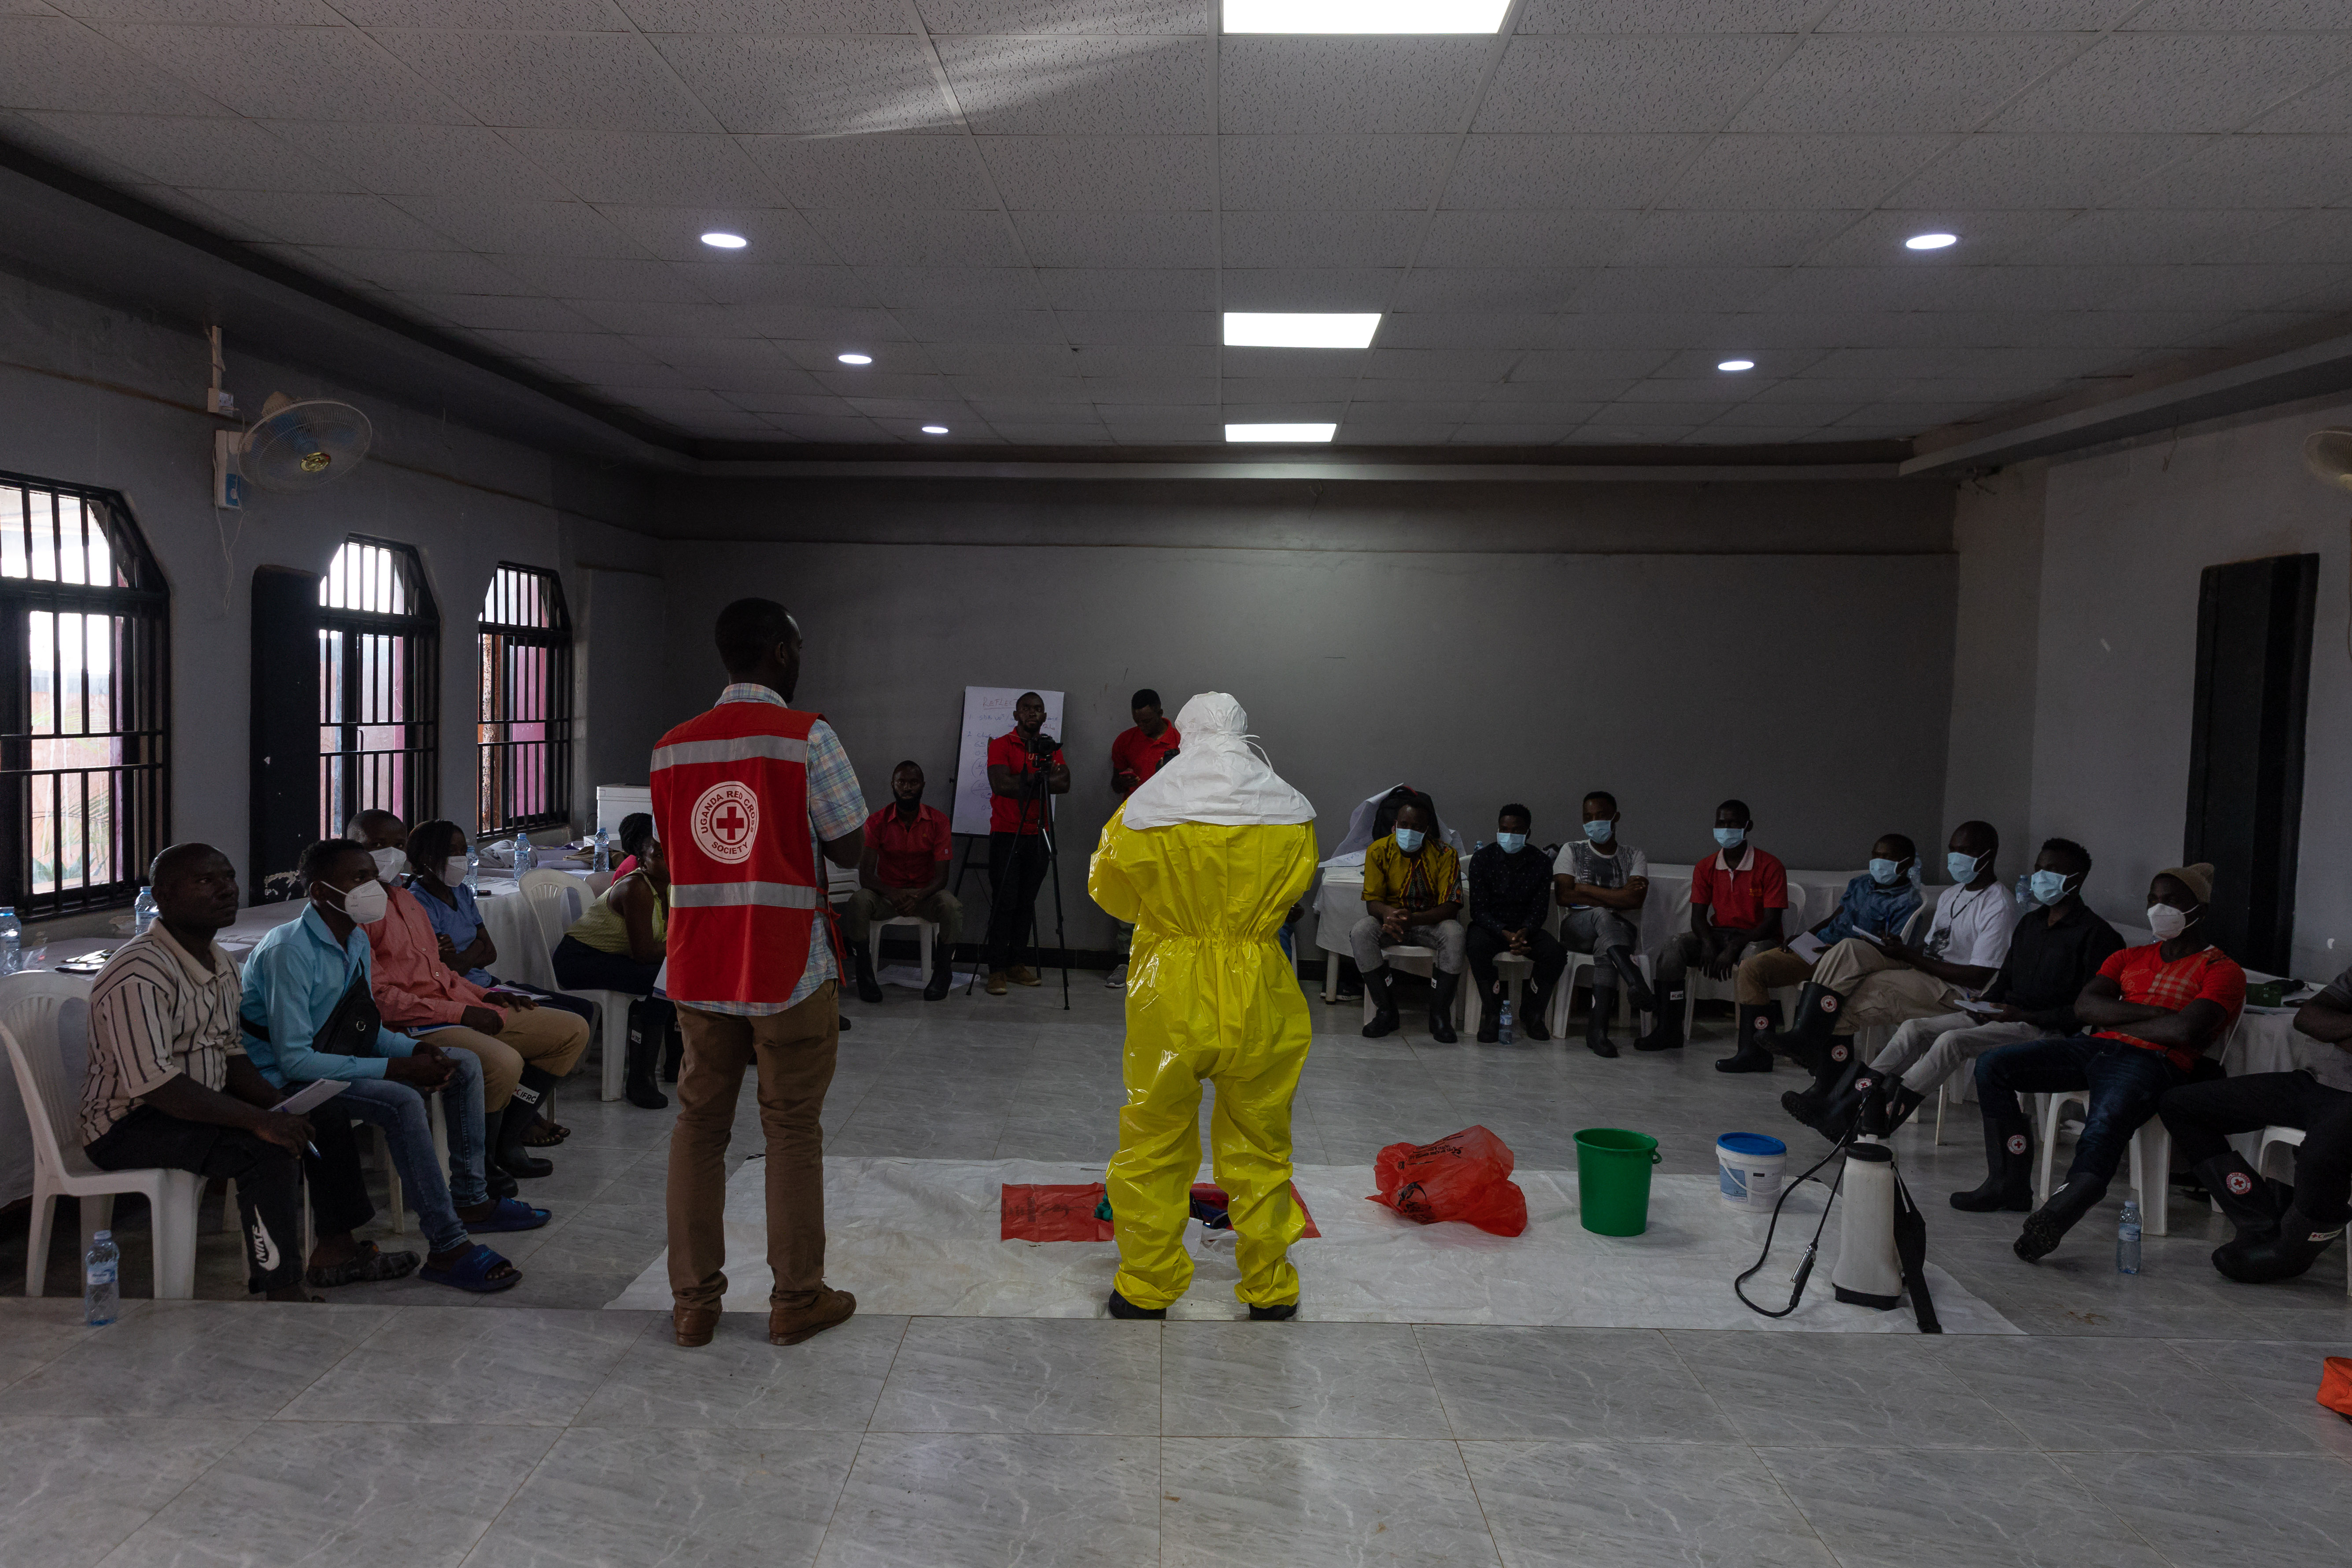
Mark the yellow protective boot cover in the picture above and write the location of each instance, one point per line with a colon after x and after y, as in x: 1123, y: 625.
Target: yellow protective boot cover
x: 1208, y: 997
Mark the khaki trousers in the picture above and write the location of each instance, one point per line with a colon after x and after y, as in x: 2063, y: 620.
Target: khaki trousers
x: 1759, y: 976
x: 1877, y: 989
x: 794, y: 1053
x: 865, y: 906
x: 545, y: 1037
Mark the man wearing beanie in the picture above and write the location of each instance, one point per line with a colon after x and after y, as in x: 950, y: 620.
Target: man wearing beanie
x: 2155, y: 1011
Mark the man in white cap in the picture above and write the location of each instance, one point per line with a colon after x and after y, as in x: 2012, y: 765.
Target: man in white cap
x: 1206, y: 859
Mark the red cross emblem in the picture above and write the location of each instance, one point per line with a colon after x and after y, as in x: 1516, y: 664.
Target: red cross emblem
x: 726, y: 821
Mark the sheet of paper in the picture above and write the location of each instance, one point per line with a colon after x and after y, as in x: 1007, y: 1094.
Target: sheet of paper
x: 1807, y: 947
x: 1871, y: 937
x: 310, y: 1096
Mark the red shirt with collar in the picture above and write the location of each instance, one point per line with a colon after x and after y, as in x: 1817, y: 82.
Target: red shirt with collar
x: 1140, y: 754
x: 1006, y: 811
x: 1738, y: 895
x: 908, y: 854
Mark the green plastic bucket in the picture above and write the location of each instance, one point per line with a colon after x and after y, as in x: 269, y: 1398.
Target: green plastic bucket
x: 1612, y: 1179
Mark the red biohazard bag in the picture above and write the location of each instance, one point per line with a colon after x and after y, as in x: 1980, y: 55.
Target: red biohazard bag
x: 1466, y: 1177
x: 2335, y: 1386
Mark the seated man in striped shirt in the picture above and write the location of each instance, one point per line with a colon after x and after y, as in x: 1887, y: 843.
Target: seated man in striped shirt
x: 169, y: 1084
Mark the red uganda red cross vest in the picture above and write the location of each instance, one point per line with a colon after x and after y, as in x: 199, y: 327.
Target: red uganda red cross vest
x: 731, y: 805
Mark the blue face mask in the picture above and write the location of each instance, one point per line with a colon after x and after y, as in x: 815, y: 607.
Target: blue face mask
x: 1600, y: 832
x: 1963, y: 868
x: 1884, y: 872
x: 1512, y: 842
x: 1409, y: 839
x: 2049, y: 887
x: 1730, y: 837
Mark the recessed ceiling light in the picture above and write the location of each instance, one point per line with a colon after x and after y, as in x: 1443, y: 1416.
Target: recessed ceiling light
x: 935, y: 429
x: 1365, y: 15
x: 1930, y: 241
x: 1299, y: 330
x: 854, y: 359
x: 719, y: 240
x: 1737, y: 364
x: 1280, y: 432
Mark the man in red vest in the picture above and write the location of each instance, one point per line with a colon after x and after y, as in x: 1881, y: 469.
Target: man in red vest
x: 743, y: 798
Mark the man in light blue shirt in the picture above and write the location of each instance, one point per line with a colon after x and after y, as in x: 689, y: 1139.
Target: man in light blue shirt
x: 298, y: 977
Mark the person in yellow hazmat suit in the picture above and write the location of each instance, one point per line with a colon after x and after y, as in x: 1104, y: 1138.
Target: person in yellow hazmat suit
x: 1205, y: 858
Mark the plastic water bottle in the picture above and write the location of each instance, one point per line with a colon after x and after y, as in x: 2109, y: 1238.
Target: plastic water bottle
x: 526, y: 858
x: 142, y: 910
x: 101, y: 1288
x: 1503, y: 1023
x: 2024, y: 890
x: 604, y: 862
x: 12, y: 941
x: 473, y: 869
x: 2127, y: 1239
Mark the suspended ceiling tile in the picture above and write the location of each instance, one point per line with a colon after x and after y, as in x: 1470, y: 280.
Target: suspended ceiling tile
x: 51, y: 62
x: 1852, y: 83
x: 1013, y: 287
x: 1140, y: 327
x: 328, y: 218
x: 1876, y: 239
x: 1661, y: 82
x: 1460, y: 238
x: 1110, y: 16
x: 292, y: 73
x: 1977, y: 16
x: 1490, y: 288
x: 1269, y: 85
x: 959, y: 238
x: 1358, y: 291
x: 217, y: 154
x: 888, y: 172
x: 2019, y: 171
x: 1293, y: 173
x: 1136, y: 360
x: 777, y: 235
x: 781, y: 85
x: 483, y: 312
x: 647, y: 169
x: 1626, y: 171
x: 1670, y: 16
x: 463, y: 160
x: 1130, y: 289
x: 1062, y: 85
x: 1117, y: 239
x: 592, y: 81
x: 438, y: 271
x: 522, y: 228
x: 600, y: 278
x: 1612, y: 290
x: 1259, y: 238
x: 1474, y: 365
x: 530, y: 16
x: 1102, y: 173
x: 1256, y: 362
x: 1735, y: 238
x: 2283, y: 172
x: 2103, y: 238
x: 975, y: 325
x: 2154, y: 82
x: 1834, y: 172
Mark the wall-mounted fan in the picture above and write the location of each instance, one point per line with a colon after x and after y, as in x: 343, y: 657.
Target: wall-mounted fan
x: 2328, y: 455
x: 298, y: 446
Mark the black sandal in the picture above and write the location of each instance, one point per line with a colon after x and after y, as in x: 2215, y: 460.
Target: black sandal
x: 545, y: 1134
x: 372, y: 1264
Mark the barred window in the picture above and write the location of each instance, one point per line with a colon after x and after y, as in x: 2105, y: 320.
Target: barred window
x: 379, y: 685
x: 524, y: 772
x: 84, y: 721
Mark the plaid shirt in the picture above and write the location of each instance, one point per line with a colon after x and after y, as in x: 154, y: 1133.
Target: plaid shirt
x: 836, y: 806
x: 2208, y: 974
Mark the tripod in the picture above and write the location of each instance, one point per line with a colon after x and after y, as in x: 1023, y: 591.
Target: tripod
x: 1036, y: 805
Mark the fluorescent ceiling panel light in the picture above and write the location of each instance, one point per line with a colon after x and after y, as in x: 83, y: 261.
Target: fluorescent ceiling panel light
x: 719, y: 239
x: 1299, y: 330
x: 854, y: 359
x: 1280, y: 432
x: 1737, y: 364
x: 1930, y: 241
x: 935, y: 429
x: 1365, y: 15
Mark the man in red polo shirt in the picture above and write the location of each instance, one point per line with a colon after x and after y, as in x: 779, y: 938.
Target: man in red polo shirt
x: 905, y: 872
x: 1023, y: 770
x: 1135, y: 756
x: 1737, y: 897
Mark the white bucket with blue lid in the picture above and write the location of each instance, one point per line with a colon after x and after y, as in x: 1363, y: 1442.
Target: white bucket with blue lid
x: 1748, y: 1167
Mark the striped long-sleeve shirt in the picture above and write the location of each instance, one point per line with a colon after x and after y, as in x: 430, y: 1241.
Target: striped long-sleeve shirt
x: 154, y: 1014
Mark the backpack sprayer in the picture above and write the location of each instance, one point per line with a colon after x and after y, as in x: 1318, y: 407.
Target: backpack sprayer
x: 1883, y: 1243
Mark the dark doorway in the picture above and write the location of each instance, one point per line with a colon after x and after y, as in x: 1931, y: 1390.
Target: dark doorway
x: 285, y: 726
x: 2245, y: 750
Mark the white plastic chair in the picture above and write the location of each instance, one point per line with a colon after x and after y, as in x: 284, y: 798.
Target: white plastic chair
x: 1421, y: 961
x: 1579, y: 967
x: 2151, y: 1160
x: 30, y: 1005
x: 555, y: 899
x: 1793, y: 921
x: 1514, y: 970
x: 923, y: 937
x: 2277, y: 1138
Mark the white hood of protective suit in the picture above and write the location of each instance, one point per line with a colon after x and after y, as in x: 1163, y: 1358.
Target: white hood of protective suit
x: 1217, y: 777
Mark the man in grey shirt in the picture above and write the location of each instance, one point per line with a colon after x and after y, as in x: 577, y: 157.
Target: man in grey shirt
x: 1602, y: 883
x: 2280, y: 1235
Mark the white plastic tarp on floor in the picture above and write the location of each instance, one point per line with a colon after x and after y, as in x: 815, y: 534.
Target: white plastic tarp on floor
x: 921, y: 1238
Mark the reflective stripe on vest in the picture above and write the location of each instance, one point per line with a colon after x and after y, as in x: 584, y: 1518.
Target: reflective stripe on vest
x: 732, y: 895
x: 740, y: 748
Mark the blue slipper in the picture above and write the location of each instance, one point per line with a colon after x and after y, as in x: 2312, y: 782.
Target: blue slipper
x: 472, y: 1272
x: 512, y: 1214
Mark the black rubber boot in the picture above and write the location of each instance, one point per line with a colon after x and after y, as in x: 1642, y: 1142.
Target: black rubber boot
x: 2241, y: 1196
x: 1665, y: 1020
x: 1834, y: 1117
x: 1901, y: 1101
x: 942, y: 971
x: 1538, y: 999
x: 1121, y: 1307
x: 1637, y: 990
x: 1596, y: 1025
x: 861, y: 961
x: 2046, y: 1227
x: 1442, y: 991
x: 1754, y: 1023
x: 1834, y: 1069
x: 1808, y: 1041
x: 1490, y: 1012
x: 644, y: 1046
x: 2292, y: 1251
x: 512, y: 1154
x: 1281, y: 1314
x: 1385, y: 1013
x: 2008, y: 1168
x: 673, y: 1052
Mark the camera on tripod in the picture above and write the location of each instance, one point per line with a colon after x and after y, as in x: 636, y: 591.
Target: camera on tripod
x: 1043, y: 745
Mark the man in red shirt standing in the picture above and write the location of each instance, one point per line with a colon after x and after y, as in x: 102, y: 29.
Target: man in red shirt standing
x: 744, y: 798
x: 1737, y: 897
x: 2157, y: 1011
x: 1135, y: 756
x: 1024, y: 766
x: 905, y: 872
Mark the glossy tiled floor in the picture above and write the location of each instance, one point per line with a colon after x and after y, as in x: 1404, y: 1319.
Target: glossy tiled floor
x: 2164, y: 1418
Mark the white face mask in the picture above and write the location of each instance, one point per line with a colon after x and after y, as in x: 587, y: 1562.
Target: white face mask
x: 366, y: 904
x: 388, y: 863
x: 2166, y: 921
x: 454, y: 869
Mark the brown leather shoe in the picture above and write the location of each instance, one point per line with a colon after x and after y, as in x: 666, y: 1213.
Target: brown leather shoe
x: 1021, y: 974
x: 996, y: 982
x: 830, y: 1307
x: 694, y: 1325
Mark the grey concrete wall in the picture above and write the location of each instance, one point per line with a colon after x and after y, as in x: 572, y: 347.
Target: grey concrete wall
x: 1815, y: 685
x: 1996, y: 533
x: 2125, y: 535
x: 97, y: 395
